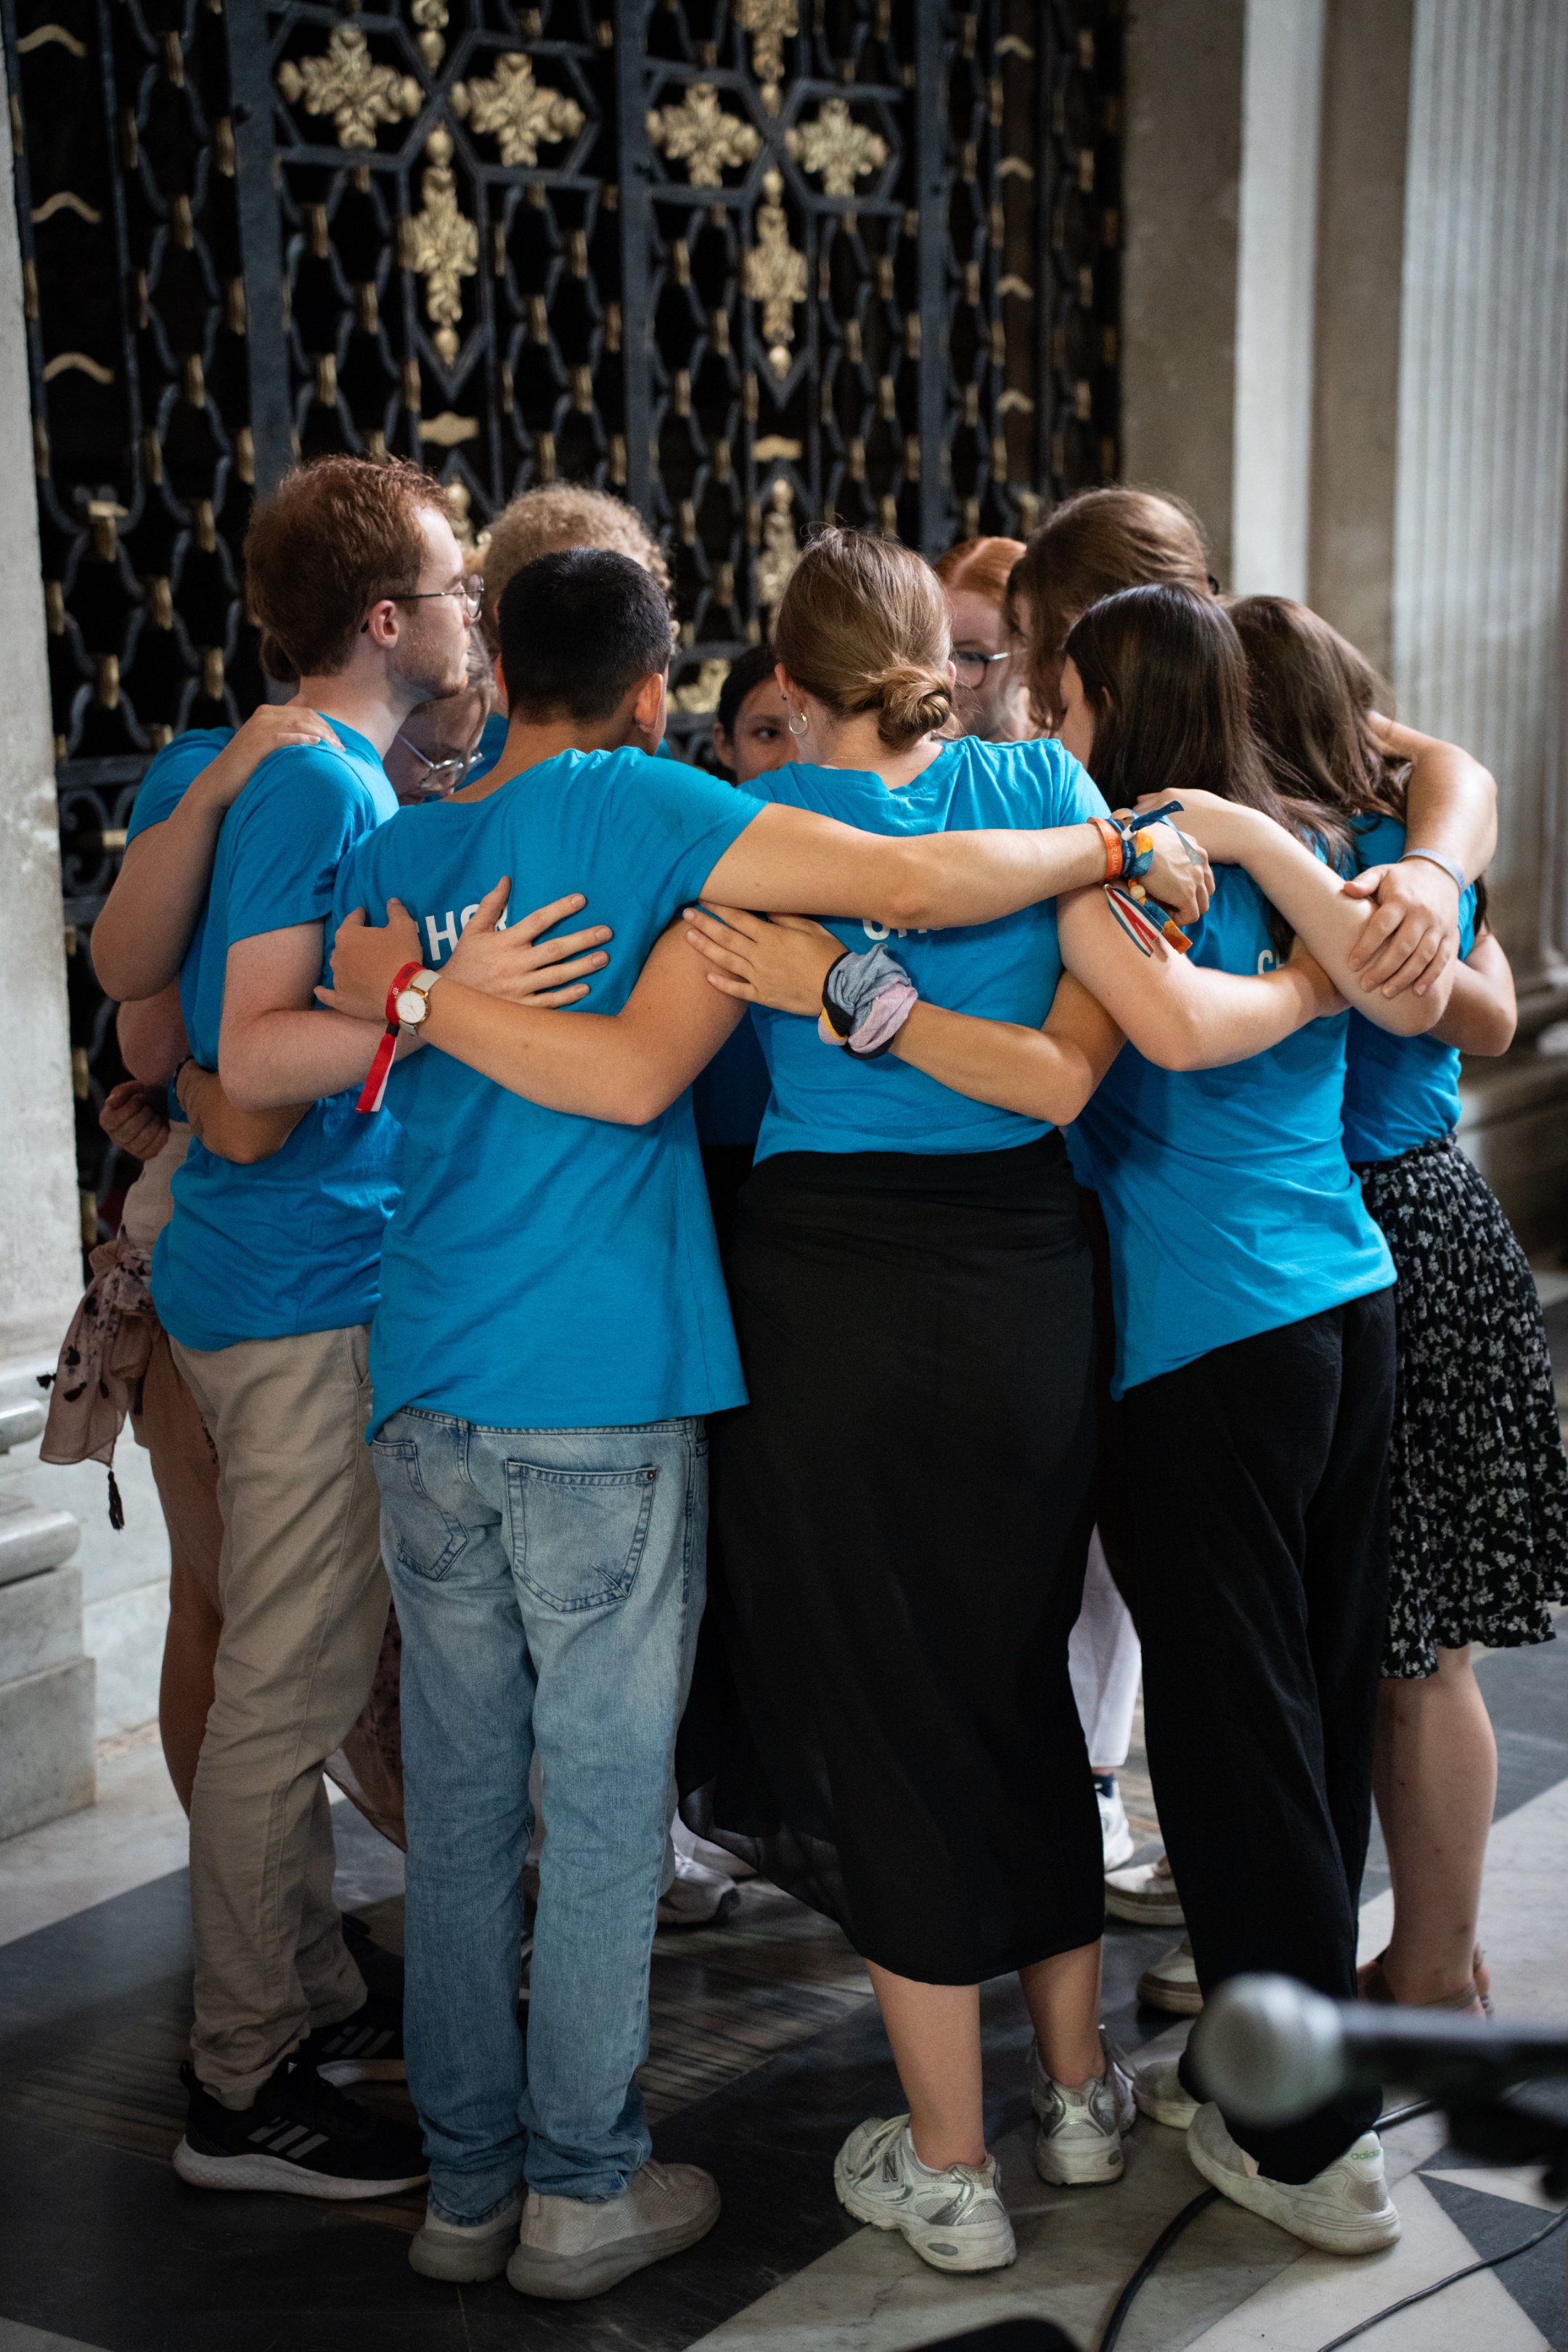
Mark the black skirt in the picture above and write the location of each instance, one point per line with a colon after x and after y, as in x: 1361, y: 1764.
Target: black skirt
x: 881, y: 1718
x: 1478, y: 1497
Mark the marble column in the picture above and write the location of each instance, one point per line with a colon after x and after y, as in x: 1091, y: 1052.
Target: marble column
x: 47, y: 1715
x: 1483, y: 426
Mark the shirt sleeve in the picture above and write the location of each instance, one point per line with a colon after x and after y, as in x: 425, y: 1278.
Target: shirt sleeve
x: 303, y: 813
x: 1076, y: 797
x: 171, y: 774
x: 671, y: 825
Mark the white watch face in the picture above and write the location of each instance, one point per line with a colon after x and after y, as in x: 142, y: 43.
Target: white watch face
x: 412, y: 1006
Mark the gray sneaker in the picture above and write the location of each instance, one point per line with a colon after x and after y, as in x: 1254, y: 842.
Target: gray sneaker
x: 462, y: 2251
x: 568, y: 2249
x: 954, y: 2219
x: 1145, y: 1894
x: 1344, y: 2209
x: 1081, y: 2131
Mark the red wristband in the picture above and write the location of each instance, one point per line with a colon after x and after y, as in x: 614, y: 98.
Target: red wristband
x: 374, y: 1088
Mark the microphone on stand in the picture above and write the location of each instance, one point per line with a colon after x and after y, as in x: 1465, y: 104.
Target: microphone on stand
x: 1270, y: 2051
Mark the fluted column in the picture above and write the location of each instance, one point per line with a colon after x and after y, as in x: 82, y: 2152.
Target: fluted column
x: 1482, y: 476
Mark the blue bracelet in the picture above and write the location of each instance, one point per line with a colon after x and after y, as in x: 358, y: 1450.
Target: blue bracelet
x: 1455, y: 873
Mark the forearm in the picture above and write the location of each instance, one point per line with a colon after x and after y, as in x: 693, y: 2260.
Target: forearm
x: 244, y: 1137
x: 1025, y: 1070
x: 588, y: 1064
x: 151, y: 1031
x: 139, y: 942
x: 787, y: 859
x: 277, y: 1060
x: 1309, y: 896
x: 1181, y: 1015
x: 1482, y: 1014
x: 1451, y: 804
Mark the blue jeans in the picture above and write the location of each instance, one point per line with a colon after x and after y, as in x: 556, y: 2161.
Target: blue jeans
x: 549, y: 1584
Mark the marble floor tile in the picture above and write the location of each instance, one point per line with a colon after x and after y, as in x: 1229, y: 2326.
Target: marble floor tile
x: 1320, y: 2295
x: 1520, y: 2183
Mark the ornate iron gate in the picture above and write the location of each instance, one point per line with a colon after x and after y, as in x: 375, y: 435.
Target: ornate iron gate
x: 750, y: 263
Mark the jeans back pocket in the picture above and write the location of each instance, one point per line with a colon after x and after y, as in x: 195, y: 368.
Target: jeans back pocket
x: 577, y: 1535
x: 422, y: 1537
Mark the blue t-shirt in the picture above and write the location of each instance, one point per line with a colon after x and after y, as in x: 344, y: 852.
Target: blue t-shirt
x: 544, y: 1271
x: 1230, y: 1207
x: 493, y: 744
x: 1399, y: 1091
x: 290, y: 1245
x: 1004, y: 970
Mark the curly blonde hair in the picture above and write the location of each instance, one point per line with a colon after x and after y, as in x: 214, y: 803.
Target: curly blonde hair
x: 557, y: 515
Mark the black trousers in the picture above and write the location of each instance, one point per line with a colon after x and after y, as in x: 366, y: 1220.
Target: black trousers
x: 1259, y: 1476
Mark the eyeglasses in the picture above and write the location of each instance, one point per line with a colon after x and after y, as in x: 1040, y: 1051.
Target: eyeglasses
x: 440, y: 775
x: 470, y: 597
x: 971, y: 667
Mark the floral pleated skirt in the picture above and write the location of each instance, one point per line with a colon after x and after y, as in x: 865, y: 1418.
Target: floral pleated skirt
x: 1480, y: 1482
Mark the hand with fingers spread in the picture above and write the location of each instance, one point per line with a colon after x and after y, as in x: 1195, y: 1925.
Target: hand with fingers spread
x: 135, y: 1117
x: 780, y: 961
x: 1415, y: 934
x: 521, y: 965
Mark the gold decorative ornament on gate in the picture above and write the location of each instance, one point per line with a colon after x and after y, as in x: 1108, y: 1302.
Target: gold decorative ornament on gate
x: 513, y: 108
x: 439, y: 244
x: 347, y: 83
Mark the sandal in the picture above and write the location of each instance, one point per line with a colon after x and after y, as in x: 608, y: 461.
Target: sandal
x: 1372, y: 1985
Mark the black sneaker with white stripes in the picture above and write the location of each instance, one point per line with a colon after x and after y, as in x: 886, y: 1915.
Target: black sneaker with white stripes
x: 366, y: 2047
x: 299, y: 2137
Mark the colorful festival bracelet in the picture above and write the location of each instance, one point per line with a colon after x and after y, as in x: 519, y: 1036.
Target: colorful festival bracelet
x: 374, y: 1088
x: 1141, y: 918
x: 865, y: 1001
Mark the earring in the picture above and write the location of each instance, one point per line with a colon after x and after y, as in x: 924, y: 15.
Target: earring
x: 798, y: 722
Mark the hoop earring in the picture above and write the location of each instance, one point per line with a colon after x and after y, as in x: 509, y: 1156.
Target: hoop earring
x: 798, y: 722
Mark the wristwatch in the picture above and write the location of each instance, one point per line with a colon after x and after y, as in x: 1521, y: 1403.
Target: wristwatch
x: 412, y: 1003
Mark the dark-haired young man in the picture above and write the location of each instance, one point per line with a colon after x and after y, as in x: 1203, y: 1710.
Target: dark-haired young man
x: 266, y: 1281
x: 552, y: 1327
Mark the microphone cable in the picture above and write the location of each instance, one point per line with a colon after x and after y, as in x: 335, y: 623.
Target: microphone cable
x: 1174, y: 2229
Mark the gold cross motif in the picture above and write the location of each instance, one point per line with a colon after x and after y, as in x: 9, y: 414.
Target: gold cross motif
x: 841, y: 148
x: 776, y: 275
x: 698, y: 133
x: 347, y: 84
x: 516, y: 113
x: 440, y: 245
x: 770, y: 23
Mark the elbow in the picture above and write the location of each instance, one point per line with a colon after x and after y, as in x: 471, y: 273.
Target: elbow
x: 911, y: 902
x: 243, y: 1088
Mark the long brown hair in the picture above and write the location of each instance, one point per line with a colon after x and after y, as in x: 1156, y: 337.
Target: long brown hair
x: 1312, y: 696
x: 1165, y: 676
x: 1092, y: 546
x: 863, y: 627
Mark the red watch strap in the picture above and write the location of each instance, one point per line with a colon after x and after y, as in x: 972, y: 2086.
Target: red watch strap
x: 373, y: 1091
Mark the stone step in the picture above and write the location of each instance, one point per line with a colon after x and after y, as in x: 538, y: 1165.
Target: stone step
x: 48, y: 1732
x: 19, y: 1423
x: 33, y: 1539
x: 40, y: 1622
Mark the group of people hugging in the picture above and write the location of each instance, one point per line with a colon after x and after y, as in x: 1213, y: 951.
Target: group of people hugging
x: 798, y: 1282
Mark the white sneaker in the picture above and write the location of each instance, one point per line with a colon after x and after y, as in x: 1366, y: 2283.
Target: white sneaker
x: 1081, y: 2131
x: 1159, y: 2094
x: 464, y: 2252
x: 1115, y: 1832
x: 1345, y: 2210
x: 568, y: 2249
x: 1146, y: 1894
x: 1171, y: 1983
x: 954, y: 2219
x: 703, y: 1849
x: 697, y: 1896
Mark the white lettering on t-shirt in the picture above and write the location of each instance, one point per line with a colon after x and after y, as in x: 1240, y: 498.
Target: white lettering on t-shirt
x: 446, y: 928
x: 1268, y: 961
x: 881, y: 931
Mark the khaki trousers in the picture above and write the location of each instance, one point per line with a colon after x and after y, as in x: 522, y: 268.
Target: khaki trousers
x: 304, y: 1600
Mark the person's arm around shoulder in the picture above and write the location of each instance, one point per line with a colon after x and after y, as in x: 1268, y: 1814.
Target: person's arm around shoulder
x: 220, y: 1127
x: 1450, y: 822
x: 1318, y: 905
x: 789, y: 857
x: 1483, y: 1012
x: 139, y: 942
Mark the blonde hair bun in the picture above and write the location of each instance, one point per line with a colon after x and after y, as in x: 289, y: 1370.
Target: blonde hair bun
x: 863, y: 627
